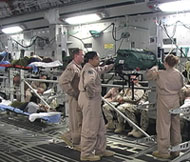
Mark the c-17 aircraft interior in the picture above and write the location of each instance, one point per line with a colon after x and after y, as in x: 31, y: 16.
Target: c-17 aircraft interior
x: 94, y: 80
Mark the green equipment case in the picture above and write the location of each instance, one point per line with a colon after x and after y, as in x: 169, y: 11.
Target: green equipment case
x: 135, y: 59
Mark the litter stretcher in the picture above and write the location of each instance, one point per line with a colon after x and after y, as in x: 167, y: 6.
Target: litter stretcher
x: 49, y: 117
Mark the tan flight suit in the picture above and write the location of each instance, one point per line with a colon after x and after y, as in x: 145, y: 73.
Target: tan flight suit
x: 69, y: 81
x: 169, y: 82
x: 93, y: 126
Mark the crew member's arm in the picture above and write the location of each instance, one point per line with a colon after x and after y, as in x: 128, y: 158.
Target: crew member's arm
x: 105, y: 68
x: 152, y: 74
x: 65, y: 81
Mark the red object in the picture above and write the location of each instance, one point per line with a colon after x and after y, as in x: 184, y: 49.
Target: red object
x: 137, y: 69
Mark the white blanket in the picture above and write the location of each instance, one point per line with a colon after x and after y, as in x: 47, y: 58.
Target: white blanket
x: 53, y: 117
x: 56, y: 63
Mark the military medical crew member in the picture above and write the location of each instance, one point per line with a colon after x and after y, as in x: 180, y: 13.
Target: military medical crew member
x: 169, y: 82
x: 68, y: 81
x: 93, y: 127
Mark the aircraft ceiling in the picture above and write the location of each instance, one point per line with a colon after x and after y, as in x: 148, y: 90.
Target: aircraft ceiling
x: 10, y: 8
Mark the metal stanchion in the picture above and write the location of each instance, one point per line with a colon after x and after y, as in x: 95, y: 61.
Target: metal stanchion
x: 37, y: 94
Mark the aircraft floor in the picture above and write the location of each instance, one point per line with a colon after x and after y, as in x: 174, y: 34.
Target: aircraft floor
x: 23, y: 141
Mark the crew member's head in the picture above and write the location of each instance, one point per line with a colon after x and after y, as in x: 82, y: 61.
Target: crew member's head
x: 78, y: 55
x: 170, y: 61
x: 93, y: 58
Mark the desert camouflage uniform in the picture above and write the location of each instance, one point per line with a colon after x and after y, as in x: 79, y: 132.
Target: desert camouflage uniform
x: 110, y: 96
x: 35, y: 85
x: 129, y: 108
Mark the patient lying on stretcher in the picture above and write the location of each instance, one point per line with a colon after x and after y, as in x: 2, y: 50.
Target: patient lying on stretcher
x: 30, y: 107
x: 32, y: 110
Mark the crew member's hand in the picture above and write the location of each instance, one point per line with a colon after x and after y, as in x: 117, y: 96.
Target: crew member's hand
x: 154, y: 68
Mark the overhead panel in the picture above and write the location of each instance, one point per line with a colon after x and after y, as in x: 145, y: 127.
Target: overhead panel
x: 30, y: 13
x: 20, y: 7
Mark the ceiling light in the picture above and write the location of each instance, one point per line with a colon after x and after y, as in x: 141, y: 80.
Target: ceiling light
x: 83, y: 19
x: 175, y: 6
x: 12, y: 30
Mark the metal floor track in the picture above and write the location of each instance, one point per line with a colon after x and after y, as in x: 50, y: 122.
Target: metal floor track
x: 23, y: 141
